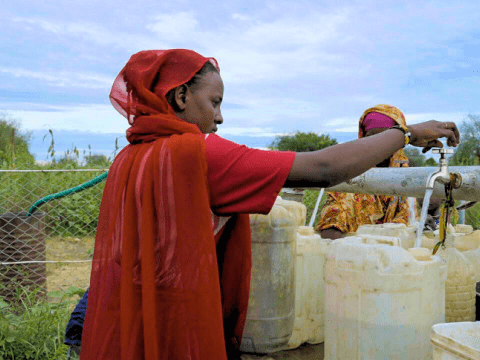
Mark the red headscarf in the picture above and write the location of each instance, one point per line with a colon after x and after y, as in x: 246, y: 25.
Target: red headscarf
x: 155, y: 285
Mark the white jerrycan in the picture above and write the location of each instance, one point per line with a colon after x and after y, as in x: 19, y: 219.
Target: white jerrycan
x: 271, y: 307
x: 381, y: 300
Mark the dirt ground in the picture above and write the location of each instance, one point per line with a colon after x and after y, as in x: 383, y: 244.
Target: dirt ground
x: 304, y: 352
x: 60, y: 276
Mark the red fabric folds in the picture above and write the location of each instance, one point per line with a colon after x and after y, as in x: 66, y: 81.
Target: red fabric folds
x: 158, y: 289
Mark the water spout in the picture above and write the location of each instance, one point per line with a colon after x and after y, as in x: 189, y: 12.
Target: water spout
x: 442, y: 175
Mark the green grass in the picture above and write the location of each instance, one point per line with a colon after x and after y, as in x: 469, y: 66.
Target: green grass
x: 32, y: 328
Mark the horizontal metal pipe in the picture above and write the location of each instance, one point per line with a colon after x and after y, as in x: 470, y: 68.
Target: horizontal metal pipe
x: 411, y: 182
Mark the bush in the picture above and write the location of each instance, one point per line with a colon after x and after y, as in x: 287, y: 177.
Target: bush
x: 472, y: 216
x: 13, y: 143
x: 32, y: 329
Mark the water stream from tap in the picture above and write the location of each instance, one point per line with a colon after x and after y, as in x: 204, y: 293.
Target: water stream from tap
x: 423, y: 217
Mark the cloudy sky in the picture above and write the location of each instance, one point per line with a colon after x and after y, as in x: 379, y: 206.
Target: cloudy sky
x: 287, y: 65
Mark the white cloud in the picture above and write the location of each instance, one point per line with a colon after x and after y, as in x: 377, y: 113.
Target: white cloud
x: 285, y: 46
x: 175, y: 26
x: 94, y: 35
x: 44, y: 24
x: 347, y: 129
x: 105, y: 119
x: 92, y: 118
x: 342, y: 124
x: 456, y: 117
x: 257, y: 50
x: 241, y: 17
x: 314, y: 68
x: 63, y: 78
x: 248, y: 131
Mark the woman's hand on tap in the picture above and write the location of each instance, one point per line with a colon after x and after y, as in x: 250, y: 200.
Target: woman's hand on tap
x: 426, y: 134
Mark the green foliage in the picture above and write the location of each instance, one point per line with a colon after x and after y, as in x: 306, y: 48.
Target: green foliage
x: 71, y: 158
x: 13, y: 144
x: 302, y: 142
x: 430, y: 162
x: 468, y: 151
x: 74, y: 215
x: 310, y: 199
x: 417, y: 159
x: 97, y: 161
x: 32, y: 329
x: 79, y: 212
x: 472, y: 216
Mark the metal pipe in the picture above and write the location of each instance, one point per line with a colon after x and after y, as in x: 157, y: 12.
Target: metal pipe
x: 411, y: 182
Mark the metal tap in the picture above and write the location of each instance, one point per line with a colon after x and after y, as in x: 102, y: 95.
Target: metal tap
x: 442, y: 175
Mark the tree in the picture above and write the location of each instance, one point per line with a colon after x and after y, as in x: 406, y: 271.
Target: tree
x: 97, y: 161
x: 430, y: 162
x: 417, y: 159
x: 302, y: 142
x: 13, y: 144
x: 468, y: 151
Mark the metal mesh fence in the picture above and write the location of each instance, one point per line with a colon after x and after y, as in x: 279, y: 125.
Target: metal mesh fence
x: 51, y: 250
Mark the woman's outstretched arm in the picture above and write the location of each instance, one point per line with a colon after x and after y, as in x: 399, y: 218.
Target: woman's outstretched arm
x: 338, y: 163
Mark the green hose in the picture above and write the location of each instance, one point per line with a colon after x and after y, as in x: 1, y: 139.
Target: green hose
x: 63, y: 193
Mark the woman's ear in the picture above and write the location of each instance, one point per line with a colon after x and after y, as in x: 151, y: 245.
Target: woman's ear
x: 180, y: 97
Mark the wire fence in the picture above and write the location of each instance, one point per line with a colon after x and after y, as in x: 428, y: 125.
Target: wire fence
x: 53, y: 249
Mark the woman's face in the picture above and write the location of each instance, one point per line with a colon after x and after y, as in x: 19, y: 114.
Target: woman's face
x: 203, y: 101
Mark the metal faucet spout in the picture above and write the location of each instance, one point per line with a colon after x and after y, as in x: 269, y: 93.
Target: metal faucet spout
x: 442, y: 175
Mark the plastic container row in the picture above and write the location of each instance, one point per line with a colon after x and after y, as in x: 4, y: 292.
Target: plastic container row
x: 366, y: 296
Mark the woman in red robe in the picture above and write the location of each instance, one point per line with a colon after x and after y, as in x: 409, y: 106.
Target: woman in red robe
x: 171, y: 268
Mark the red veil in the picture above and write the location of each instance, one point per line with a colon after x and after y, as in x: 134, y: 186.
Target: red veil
x: 158, y: 289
